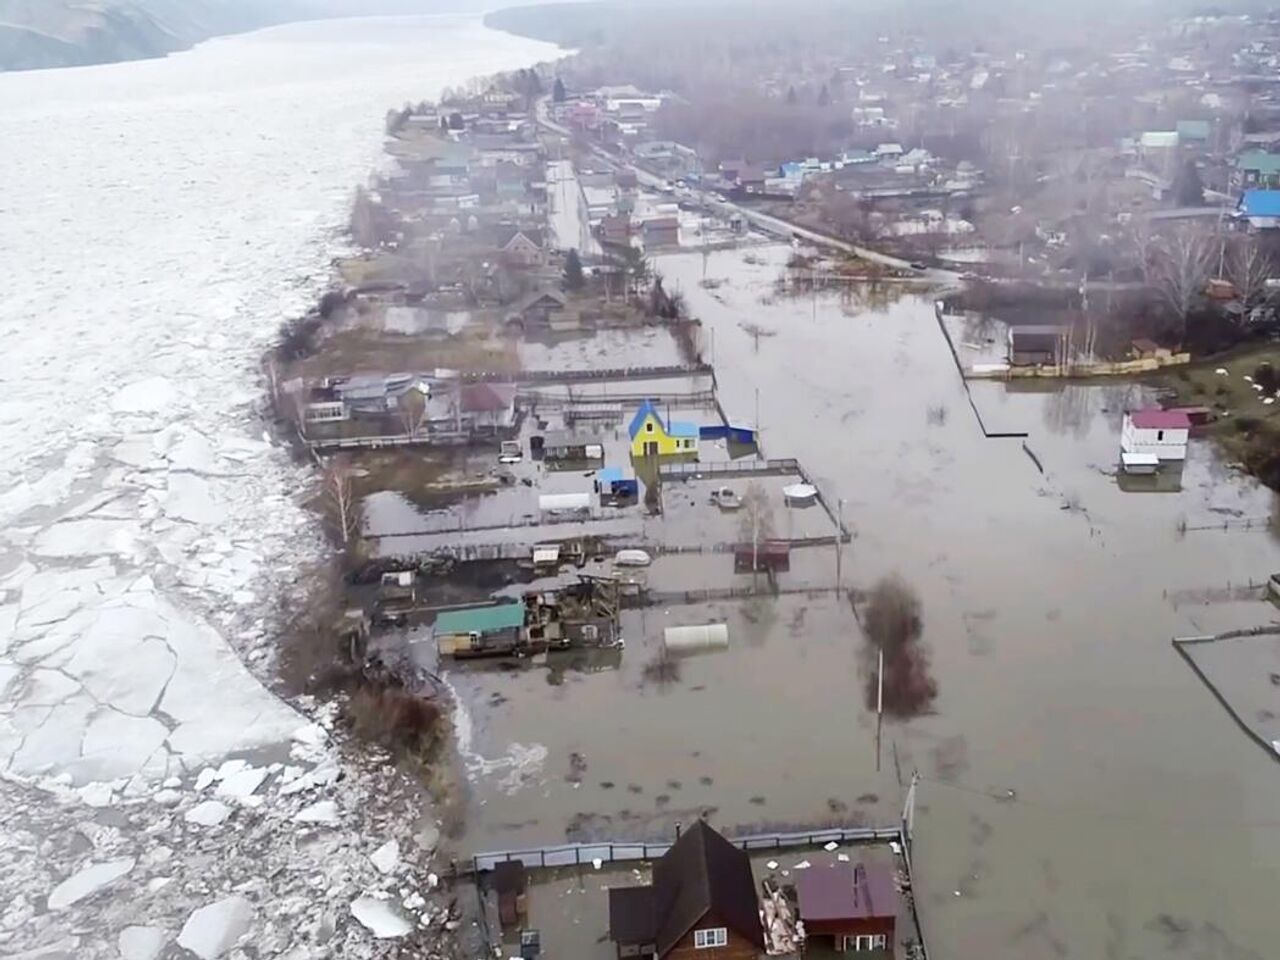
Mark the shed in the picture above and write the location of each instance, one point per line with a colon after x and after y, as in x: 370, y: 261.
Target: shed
x: 855, y: 905
x: 479, y: 631
x: 771, y: 556
x: 1031, y: 344
x: 510, y: 884
x: 571, y: 445
x: 615, y: 483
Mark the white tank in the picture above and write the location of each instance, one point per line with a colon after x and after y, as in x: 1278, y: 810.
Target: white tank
x: 696, y: 638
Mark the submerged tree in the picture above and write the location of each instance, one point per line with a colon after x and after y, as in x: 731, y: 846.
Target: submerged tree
x: 893, y: 626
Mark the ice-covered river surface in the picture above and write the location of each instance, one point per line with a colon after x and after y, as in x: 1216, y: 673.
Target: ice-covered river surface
x: 158, y: 221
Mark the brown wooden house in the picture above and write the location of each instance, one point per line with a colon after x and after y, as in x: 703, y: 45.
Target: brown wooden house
x: 702, y: 904
x: 855, y: 906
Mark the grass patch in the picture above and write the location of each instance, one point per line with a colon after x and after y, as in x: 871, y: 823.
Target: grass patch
x: 1247, y: 429
x: 366, y: 351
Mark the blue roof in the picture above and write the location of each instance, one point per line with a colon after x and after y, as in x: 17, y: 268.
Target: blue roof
x: 1260, y: 203
x: 682, y: 428
x: 646, y: 407
x: 609, y: 474
x: 1194, y: 129
x: 503, y: 616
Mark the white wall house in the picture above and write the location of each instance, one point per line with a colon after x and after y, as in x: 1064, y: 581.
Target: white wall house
x: 1159, y: 433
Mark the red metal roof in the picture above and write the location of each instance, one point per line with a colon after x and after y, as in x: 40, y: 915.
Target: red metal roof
x: 1160, y: 420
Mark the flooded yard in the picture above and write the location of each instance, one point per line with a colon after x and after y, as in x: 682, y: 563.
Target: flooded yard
x: 1082, y: 794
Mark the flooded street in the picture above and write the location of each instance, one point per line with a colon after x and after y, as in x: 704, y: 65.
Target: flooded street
x: 1082, y: 791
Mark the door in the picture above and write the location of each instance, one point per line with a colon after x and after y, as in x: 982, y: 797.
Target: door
x: 651, y: 448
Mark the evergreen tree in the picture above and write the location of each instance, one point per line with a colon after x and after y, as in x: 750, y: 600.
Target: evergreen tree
x: 1188, y: 188
x: 558, y: 93
x: 574, y: 278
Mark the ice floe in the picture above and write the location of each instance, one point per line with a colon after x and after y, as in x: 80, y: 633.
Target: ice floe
x: 380, y: 917
x: 214, y: 929
x: 88, y: 881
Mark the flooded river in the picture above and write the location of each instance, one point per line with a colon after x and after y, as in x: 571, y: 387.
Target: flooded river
x: 1082, y: 793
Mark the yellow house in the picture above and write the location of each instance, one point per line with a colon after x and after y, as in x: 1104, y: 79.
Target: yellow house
x: 651, y: 436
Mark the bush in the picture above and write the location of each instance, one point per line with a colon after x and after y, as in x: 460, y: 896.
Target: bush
x: 395, y: 718
x: 1265, y: 376
x: 1246, y: 424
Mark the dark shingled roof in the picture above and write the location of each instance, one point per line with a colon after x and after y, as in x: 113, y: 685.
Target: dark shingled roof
x: 704, y: 873
x: 631, y: 916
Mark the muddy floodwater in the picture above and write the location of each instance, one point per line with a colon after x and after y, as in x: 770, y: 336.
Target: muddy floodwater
x: 1083, y: 795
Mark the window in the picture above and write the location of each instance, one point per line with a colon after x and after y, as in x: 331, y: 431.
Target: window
x: 711, y: 937
x: 863, y: 942
x: 1159, y: 434
x: 648, y: 427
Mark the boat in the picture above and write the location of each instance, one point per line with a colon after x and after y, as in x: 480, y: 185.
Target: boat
x: 632, y: 558
x: 800, y: 494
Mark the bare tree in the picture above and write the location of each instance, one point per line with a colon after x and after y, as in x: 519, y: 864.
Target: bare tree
x: 756, y: 524
x: 340, y: 497
x: 412, y: 408
x: 1180, y: 267
x: 757, y: 513
x: 1248, y: 268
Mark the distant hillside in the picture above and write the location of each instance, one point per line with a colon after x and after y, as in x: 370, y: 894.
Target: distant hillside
x: 36, y: 34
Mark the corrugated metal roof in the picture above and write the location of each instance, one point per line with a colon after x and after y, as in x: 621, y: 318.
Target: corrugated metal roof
x: 1160, y: 420
x: 1260, y: 203
x: 504, y: 616
x: 1259, y: 160
x: 839, y: 891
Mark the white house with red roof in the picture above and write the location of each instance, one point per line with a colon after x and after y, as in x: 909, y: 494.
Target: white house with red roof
x: 1155, y: 433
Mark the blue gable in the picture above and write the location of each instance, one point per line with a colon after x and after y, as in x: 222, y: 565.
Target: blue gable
x: 646, y: 407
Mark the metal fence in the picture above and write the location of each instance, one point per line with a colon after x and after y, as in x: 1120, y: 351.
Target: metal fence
x: 728, y: 468
x: 573, y: 854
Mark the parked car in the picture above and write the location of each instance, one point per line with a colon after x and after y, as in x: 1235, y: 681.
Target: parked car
x: 725, y: 498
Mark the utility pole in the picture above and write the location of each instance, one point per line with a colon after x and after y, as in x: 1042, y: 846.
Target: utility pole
x: 755, y: 544
x: 879, y: 705
x: 839, y: 539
